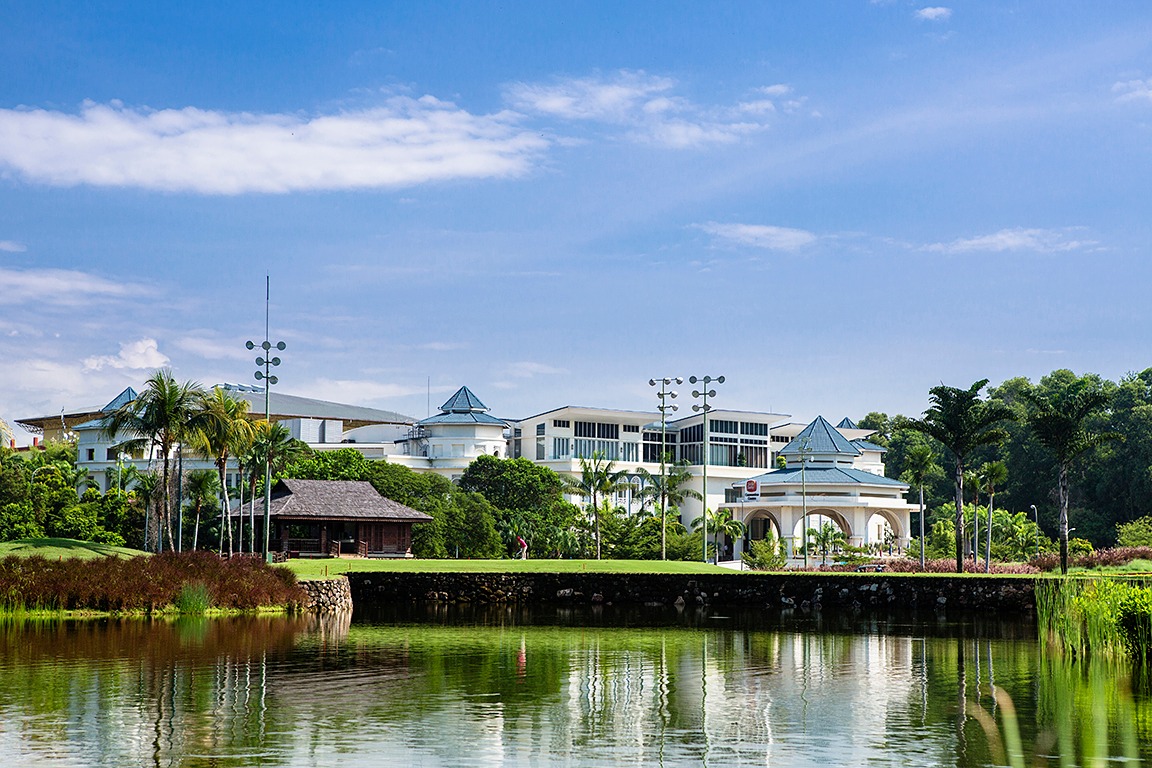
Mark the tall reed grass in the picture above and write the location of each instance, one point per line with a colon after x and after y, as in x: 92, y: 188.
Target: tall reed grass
x: 143, y: 584
x: 1085, y: 617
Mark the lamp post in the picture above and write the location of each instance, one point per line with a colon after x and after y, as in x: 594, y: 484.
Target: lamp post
x: 805, y: 449
x: 664, y: 394
x: 703, y: 407
x: 267, y: 362
x: 1036, y: 520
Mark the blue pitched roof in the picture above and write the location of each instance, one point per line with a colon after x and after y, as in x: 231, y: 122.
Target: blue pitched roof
x: 847, y: 423
x: 827, y: 476
x: 866, y: 445
x: 461, y: 418
x: 463, y: 402
x: 122, y: 399
x: 820, y: 438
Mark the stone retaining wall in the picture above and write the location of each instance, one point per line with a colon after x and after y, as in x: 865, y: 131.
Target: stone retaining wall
x: 325, y: 595
x: 814, y: 590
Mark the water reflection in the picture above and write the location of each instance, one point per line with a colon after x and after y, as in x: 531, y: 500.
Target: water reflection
x: 504, y: 687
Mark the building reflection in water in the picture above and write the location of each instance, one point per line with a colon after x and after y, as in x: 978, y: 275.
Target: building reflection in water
x: 321, y: 691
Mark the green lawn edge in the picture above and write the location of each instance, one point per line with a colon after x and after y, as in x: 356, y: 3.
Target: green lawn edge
x: 55, y: 549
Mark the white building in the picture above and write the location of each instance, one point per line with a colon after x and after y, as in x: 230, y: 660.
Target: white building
x: 833, y: 474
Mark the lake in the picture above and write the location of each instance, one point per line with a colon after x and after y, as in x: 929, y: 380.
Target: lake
x: 449, y: 686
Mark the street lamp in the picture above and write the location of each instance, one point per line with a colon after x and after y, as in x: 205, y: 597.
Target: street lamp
x: 664, y: 394
x: 805, y: 449
x: 1036, y: 520
x: 267, y: 362
x: 703, y: 407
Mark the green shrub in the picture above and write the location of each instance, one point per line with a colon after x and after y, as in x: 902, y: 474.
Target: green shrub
x: 194, y: 598
x: 1137, y: 533
x: 1134, y: 620
x: 766, y: 555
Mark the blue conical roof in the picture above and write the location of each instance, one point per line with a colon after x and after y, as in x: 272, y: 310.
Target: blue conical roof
x: 847, y: 423
x: 121, y: 400
x: 463, y: 402
x: 820, y: 438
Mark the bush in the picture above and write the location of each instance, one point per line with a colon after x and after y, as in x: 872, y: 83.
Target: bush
x: 766, y: 555
x: 1134, y: 620
x: 1101, y: 558
x: 1137, y: 533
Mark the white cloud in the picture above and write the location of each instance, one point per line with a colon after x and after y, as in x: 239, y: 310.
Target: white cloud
x: 761, y: 235
x: 406, y: 142
x: 137, y: 355
x: 359, y: 390
x: 526, y: 370
x: 206, y: 346
x: 647, y: 107
x: 937, y: 13
x: 1133, y: 90
x: 11, y: 246
x: 1018, y: 239
x: 60, y: 287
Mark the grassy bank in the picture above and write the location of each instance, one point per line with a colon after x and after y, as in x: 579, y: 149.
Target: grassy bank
x: 319, y: 569
x: 62, y: 549
x: 1084, y: 617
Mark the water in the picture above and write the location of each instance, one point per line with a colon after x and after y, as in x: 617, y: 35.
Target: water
x: 448, y: 687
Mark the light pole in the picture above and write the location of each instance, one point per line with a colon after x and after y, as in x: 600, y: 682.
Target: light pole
x: 267, y: 363
x: 703, y: 407
x: 1036, y: 520
x: 805, y: 449
x: 664, y: 394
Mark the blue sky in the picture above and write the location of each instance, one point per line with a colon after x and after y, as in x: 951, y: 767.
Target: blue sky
x: 836, y: 205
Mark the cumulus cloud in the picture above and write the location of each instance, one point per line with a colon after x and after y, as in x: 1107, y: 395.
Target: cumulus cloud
x: 760, y: 235
x: 1133, y: 90
x: 1018, y: 239
x: 936, y: 13
x: 647, y: 107
x: 11, y: 246
x: 61, y: 287
x: 403, y: 143
x: 137, y: 355
x: 207, y: 345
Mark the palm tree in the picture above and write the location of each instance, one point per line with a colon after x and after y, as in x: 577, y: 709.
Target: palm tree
x: 668, y: 490
x: 1059, y: 422
x: 202, y: 486
x: 273, y: 442
x: 164, y: 414
x: 144, y: 485
x: 598, y: 478
x: 224, y: 429
x: 826, y: 537
x: 990, y: 475
x: 960, y: 421
x: 919, y: 467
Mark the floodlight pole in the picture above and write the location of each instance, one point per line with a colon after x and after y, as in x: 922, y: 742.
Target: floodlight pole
x: 1036, y: 520
x: 664, y: 394
x: 267, y: 361
x: 703, y: 407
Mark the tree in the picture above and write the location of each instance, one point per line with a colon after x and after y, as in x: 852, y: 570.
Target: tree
x: 721, y: 523
x: 991, y: 475
x: 827, y: 537
x: 512, y: 483
x: 668, y: 491
x: 162, y: 416
x: 960, y: 421
x: 201, y: 488
x: 598, y: 478
x: 919, y: 468
x: 1137, y: 533
x: 223, y: 430
x: 1060, y: 422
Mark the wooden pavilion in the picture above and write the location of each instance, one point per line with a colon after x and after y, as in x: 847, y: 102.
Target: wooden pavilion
x: 327, y: 518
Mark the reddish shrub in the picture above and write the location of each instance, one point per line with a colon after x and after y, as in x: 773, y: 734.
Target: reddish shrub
x: 143, y: 583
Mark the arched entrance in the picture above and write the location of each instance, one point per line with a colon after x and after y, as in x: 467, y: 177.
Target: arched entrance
x: 884, y: 532
x: 758, y: 524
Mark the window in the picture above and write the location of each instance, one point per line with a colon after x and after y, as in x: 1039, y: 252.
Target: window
x: 91, y: 454
x: 608, y: 431
x: 724, y: 426
x: 749, y: 428
x: 584, y: 429
x: 540, y: 447
x: 110, y: 455
x: 561, y: 446
x: 692, y: 434
x: 516, y: 432
x: 631, y: 452
x: 560, y: 423
x: 540, y: 428
x: 631, y: 427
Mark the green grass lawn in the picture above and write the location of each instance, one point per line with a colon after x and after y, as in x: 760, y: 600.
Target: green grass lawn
x: 54, y: 549
x: 1136, y: 567
x: 318, y: 569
